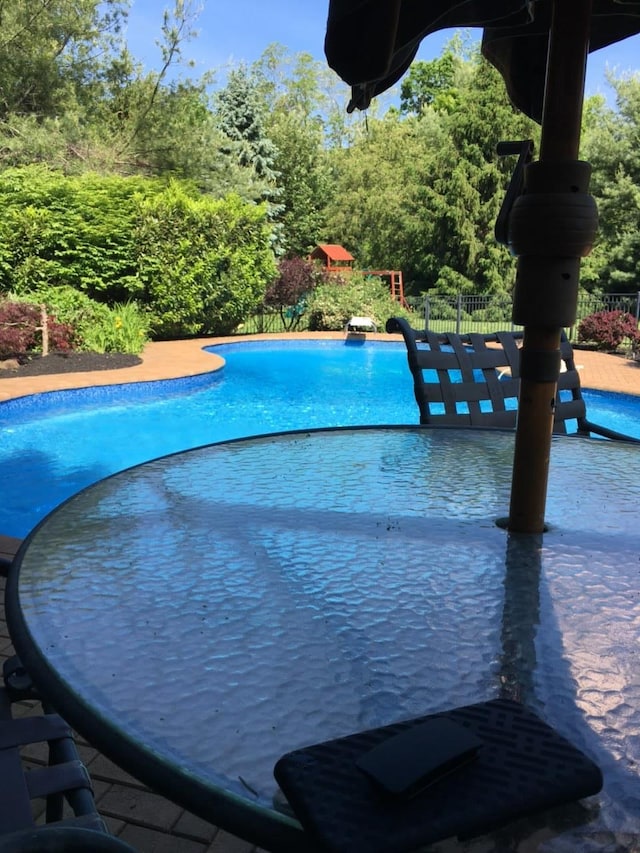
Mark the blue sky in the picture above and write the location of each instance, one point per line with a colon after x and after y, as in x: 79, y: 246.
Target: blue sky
x: 240, y: 30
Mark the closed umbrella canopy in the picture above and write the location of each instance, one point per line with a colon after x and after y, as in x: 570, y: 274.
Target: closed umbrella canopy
x: 540, y: 47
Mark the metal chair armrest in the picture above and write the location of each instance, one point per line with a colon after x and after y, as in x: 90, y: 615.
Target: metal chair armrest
x: 605, y: 432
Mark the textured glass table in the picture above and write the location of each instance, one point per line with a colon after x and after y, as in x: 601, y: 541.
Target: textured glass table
x: 200, y: 615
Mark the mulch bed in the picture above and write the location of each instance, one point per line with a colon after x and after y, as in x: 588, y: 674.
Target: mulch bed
x: 66, y: 362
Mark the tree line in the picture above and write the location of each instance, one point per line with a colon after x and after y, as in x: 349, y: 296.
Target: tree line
x: 414, y: 185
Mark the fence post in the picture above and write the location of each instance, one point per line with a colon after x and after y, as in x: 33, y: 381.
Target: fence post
x: 459, y: 314
x: 427, y: 312
x: 44, y: 326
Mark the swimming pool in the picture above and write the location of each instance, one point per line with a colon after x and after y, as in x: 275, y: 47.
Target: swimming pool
x: 52, y: 445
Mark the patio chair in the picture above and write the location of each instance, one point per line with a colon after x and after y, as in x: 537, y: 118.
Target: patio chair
x: 474, y: 380
x: 63, y: 781
x: 62, y: 839
x: 17, y: 680
x: 28, y: 739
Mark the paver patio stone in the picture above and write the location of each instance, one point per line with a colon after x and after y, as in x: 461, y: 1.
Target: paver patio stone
x: 139, y: 805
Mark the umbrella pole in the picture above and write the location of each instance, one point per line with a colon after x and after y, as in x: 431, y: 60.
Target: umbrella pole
x: 545, y: 297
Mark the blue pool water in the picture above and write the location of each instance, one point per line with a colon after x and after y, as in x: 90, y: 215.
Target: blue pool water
x: 52, y: 445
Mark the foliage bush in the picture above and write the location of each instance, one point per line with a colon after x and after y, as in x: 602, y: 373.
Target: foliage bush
x: 608, y: 329
x: 124, y: 328
x: 97, y: 327
x: 499, y: 313
x: 21, y: 330
x: 204, y: 262
x: 442, y: 308
x: 70, y: 306
x: 331, y: 305
x: 77, y: 231
x: 195, y: 264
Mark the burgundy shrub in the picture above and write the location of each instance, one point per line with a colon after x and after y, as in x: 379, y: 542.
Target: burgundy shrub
x: 608, y: 329
x: 61, y: 336
x: 18, y: 324
x: 296, y: 277
x: 20, y: 330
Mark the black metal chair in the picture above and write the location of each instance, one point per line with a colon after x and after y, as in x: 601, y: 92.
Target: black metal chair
x: 63, y: 780
x: 8, y: 548
x: 474, y: 380
x: 71, y: 819
x: 62, y: 839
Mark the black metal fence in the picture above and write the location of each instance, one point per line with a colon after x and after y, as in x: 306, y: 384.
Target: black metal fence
x: 461, y: 313
x: 269, y: 322
x: 464, y: 313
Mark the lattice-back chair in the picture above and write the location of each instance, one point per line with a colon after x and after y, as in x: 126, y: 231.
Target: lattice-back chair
x: 40, y: 764
x: 474, y: 380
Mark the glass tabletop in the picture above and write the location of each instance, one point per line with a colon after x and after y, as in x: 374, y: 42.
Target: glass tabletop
x: 204, y: 613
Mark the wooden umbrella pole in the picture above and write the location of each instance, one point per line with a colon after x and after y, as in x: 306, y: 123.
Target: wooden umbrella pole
x: 560, y: 142
x: 533, y: 439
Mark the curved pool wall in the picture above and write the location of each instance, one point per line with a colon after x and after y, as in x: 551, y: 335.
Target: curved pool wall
x: 50, y: 403
x: 56, y: 443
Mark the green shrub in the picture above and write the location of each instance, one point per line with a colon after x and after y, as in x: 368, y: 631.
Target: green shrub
x: 499, y: 313
x: 124, y: 328
x: 195, y: 264
x: 77, y: 231
x: 442, y: 308
x: 97, y: 327
x: 451, y: 281
x: 331, y: 305
x: 70, y: 306
x: 204, y: 262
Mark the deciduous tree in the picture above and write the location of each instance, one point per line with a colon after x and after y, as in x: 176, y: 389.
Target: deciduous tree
x: 611, y: 144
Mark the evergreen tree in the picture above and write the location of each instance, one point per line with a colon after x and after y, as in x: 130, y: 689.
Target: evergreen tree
x: 302, y: 178
x: 610, y: 142
x: 470, y: 184
x: 291, y: 88
x: 422, y: 194
x: 241, y: 116
x: 430, y: 84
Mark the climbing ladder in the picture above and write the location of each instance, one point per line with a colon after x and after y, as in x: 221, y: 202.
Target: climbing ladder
x: 395, y: 283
